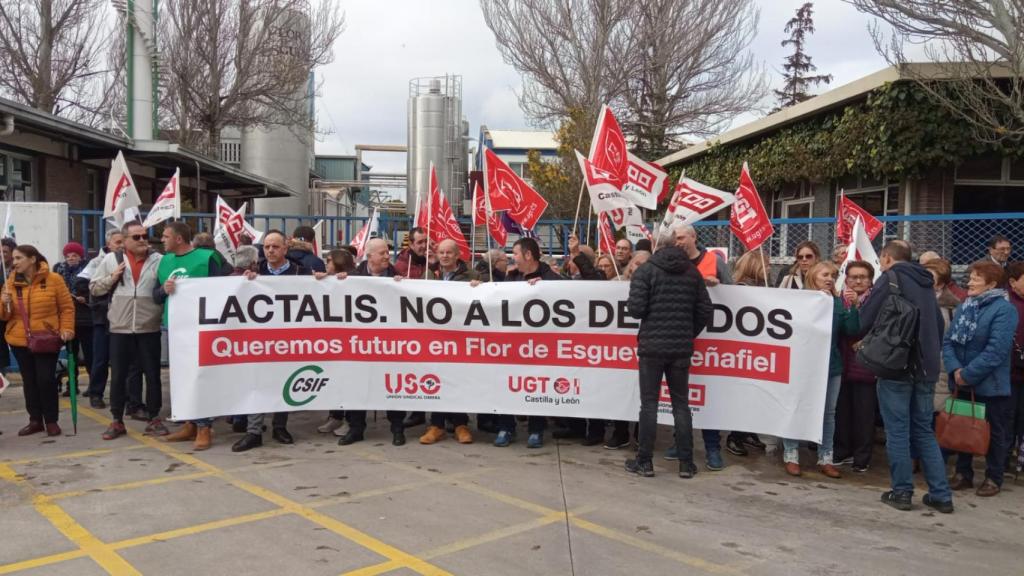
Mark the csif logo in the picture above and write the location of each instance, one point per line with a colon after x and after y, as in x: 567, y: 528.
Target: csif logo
x: 409, y: 384
x: 306, y: 380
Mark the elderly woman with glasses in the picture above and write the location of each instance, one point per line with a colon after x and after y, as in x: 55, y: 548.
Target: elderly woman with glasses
x: 855, y: 411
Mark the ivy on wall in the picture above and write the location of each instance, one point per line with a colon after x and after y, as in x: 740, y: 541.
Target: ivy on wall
x: 897, y: 132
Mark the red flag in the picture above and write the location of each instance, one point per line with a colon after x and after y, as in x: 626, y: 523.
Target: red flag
x: 494, y: 227
x: 507, y: 191
x: 607, y: 244
x: 749, y: 220
x: 359, y: 240
x: 442, y: 222
x: 608, y: 148
x: 847, y: 214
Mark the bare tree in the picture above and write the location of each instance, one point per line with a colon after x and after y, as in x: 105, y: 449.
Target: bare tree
x: 978, y: 50
x: 689, y: 70
x: 50, y: 53
x: 244, y: 63
x: 669, y: 67
x: 567, y: 51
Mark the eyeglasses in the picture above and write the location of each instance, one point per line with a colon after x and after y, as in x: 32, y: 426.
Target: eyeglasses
x: 805, y: 256
x: 138, y: 237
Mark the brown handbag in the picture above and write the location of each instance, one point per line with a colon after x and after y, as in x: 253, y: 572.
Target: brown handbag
x: 46, y: 342
x: 967, y: 434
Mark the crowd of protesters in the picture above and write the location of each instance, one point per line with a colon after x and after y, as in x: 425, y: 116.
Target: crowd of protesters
x: 970, y: 342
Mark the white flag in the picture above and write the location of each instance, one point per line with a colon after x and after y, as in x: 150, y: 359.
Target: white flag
x: 168, y: 204
x: 860, y: 249
x: 121, y: 193
x: 693, y: 201
x: 8, y: 231
x: 644, y: 182
x: 318, y: 239
x: 229, y: 228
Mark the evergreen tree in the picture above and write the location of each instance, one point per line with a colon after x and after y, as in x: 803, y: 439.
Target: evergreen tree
x: 798, y: 66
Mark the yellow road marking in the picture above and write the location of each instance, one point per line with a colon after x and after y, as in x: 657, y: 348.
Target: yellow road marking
x: 595, y: 528
x: 72, y: 530
x: 336, y: 526
x: 197, y: 528
x: 71, y: 455
x: 375, y: 569
x: 41, y: 561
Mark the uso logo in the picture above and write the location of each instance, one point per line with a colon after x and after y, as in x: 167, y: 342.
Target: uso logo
x: 408, y: 385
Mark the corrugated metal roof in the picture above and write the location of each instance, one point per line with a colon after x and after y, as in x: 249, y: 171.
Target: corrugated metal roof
x: 521, y: 139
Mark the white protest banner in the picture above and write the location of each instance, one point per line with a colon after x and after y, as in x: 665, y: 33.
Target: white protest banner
x: 275, y: 344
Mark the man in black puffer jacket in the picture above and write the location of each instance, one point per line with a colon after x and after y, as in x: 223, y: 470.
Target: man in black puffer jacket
x: 668, y: 296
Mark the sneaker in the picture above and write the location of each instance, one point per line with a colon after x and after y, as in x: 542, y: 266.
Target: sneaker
x: 687, y: 470
x: 859, y: 468
x: 943, y: 507
x: 115, y: 430
x: 735, y: 448
x: 671, y: 453
x: 713, y: 462
x: 330, y: 425
x: 898, y: 500
x: 617, y: 442
x: 504, y: 439
x: 848, y: 461
x: 342, y: 430
x: 754, y: 441
x: 535, y: 440
x: 155, y: 428
x: 641, y: 468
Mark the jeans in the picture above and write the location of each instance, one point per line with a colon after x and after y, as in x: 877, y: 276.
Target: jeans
x: 1017, y: 400
x: 907, y: 414
x: 999, y: 413
x: 254, y: 422
x: 143, y: 350
x: 39, y: 381
x: 677, y: 374
x: 855, y: 422
x: 357, y: 420
x: 712, y: 440
x: 791, y: 448
x: 438, y: 418
x: 534, y: 424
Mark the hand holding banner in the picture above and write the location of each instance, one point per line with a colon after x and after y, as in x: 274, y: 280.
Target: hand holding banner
x: 749, y: 220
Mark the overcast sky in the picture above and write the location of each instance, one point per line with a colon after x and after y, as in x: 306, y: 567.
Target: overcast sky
x: 387, y: 43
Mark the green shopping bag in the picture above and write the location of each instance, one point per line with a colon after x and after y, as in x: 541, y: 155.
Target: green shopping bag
x: 965, y: 408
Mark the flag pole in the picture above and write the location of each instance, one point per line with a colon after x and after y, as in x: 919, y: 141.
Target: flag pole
x: 472, y: 232
x: 430, y: 217
x: 764, y: 264
x: 590, y: 211
x: 579, y: 202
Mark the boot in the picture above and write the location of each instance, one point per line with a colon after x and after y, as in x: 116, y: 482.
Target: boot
x: 463, y: 435
x: 203, y: 438
x: 186, y: 433
x: 433, y: 435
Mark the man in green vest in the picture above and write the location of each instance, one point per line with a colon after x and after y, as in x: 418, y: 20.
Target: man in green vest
x: 181, y: 260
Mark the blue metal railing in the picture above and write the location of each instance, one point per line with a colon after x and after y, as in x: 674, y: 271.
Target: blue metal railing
x: 962, y: 238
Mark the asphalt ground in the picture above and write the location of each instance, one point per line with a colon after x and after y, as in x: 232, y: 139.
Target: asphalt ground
x: 81, y: 505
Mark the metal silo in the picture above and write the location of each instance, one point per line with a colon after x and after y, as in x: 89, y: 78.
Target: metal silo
x: 284, y: 153
x: 436, y: 135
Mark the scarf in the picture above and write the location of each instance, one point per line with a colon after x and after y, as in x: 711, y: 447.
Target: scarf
x: 966, y: 322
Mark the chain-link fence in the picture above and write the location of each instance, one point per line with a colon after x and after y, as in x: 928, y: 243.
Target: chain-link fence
x: 961, y: 238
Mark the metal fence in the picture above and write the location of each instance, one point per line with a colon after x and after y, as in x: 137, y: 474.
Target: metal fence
x: 961, y: 238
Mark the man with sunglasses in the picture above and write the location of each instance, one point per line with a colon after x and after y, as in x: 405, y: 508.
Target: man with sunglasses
x: 134, y: 317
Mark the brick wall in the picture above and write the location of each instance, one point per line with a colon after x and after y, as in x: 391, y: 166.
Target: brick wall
x: 62, y: 181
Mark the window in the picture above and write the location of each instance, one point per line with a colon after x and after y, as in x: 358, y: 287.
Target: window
x: 989, y: 184
x: 988, y: 167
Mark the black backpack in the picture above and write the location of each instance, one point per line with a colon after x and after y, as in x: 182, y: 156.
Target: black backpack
x: 890, y: 349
